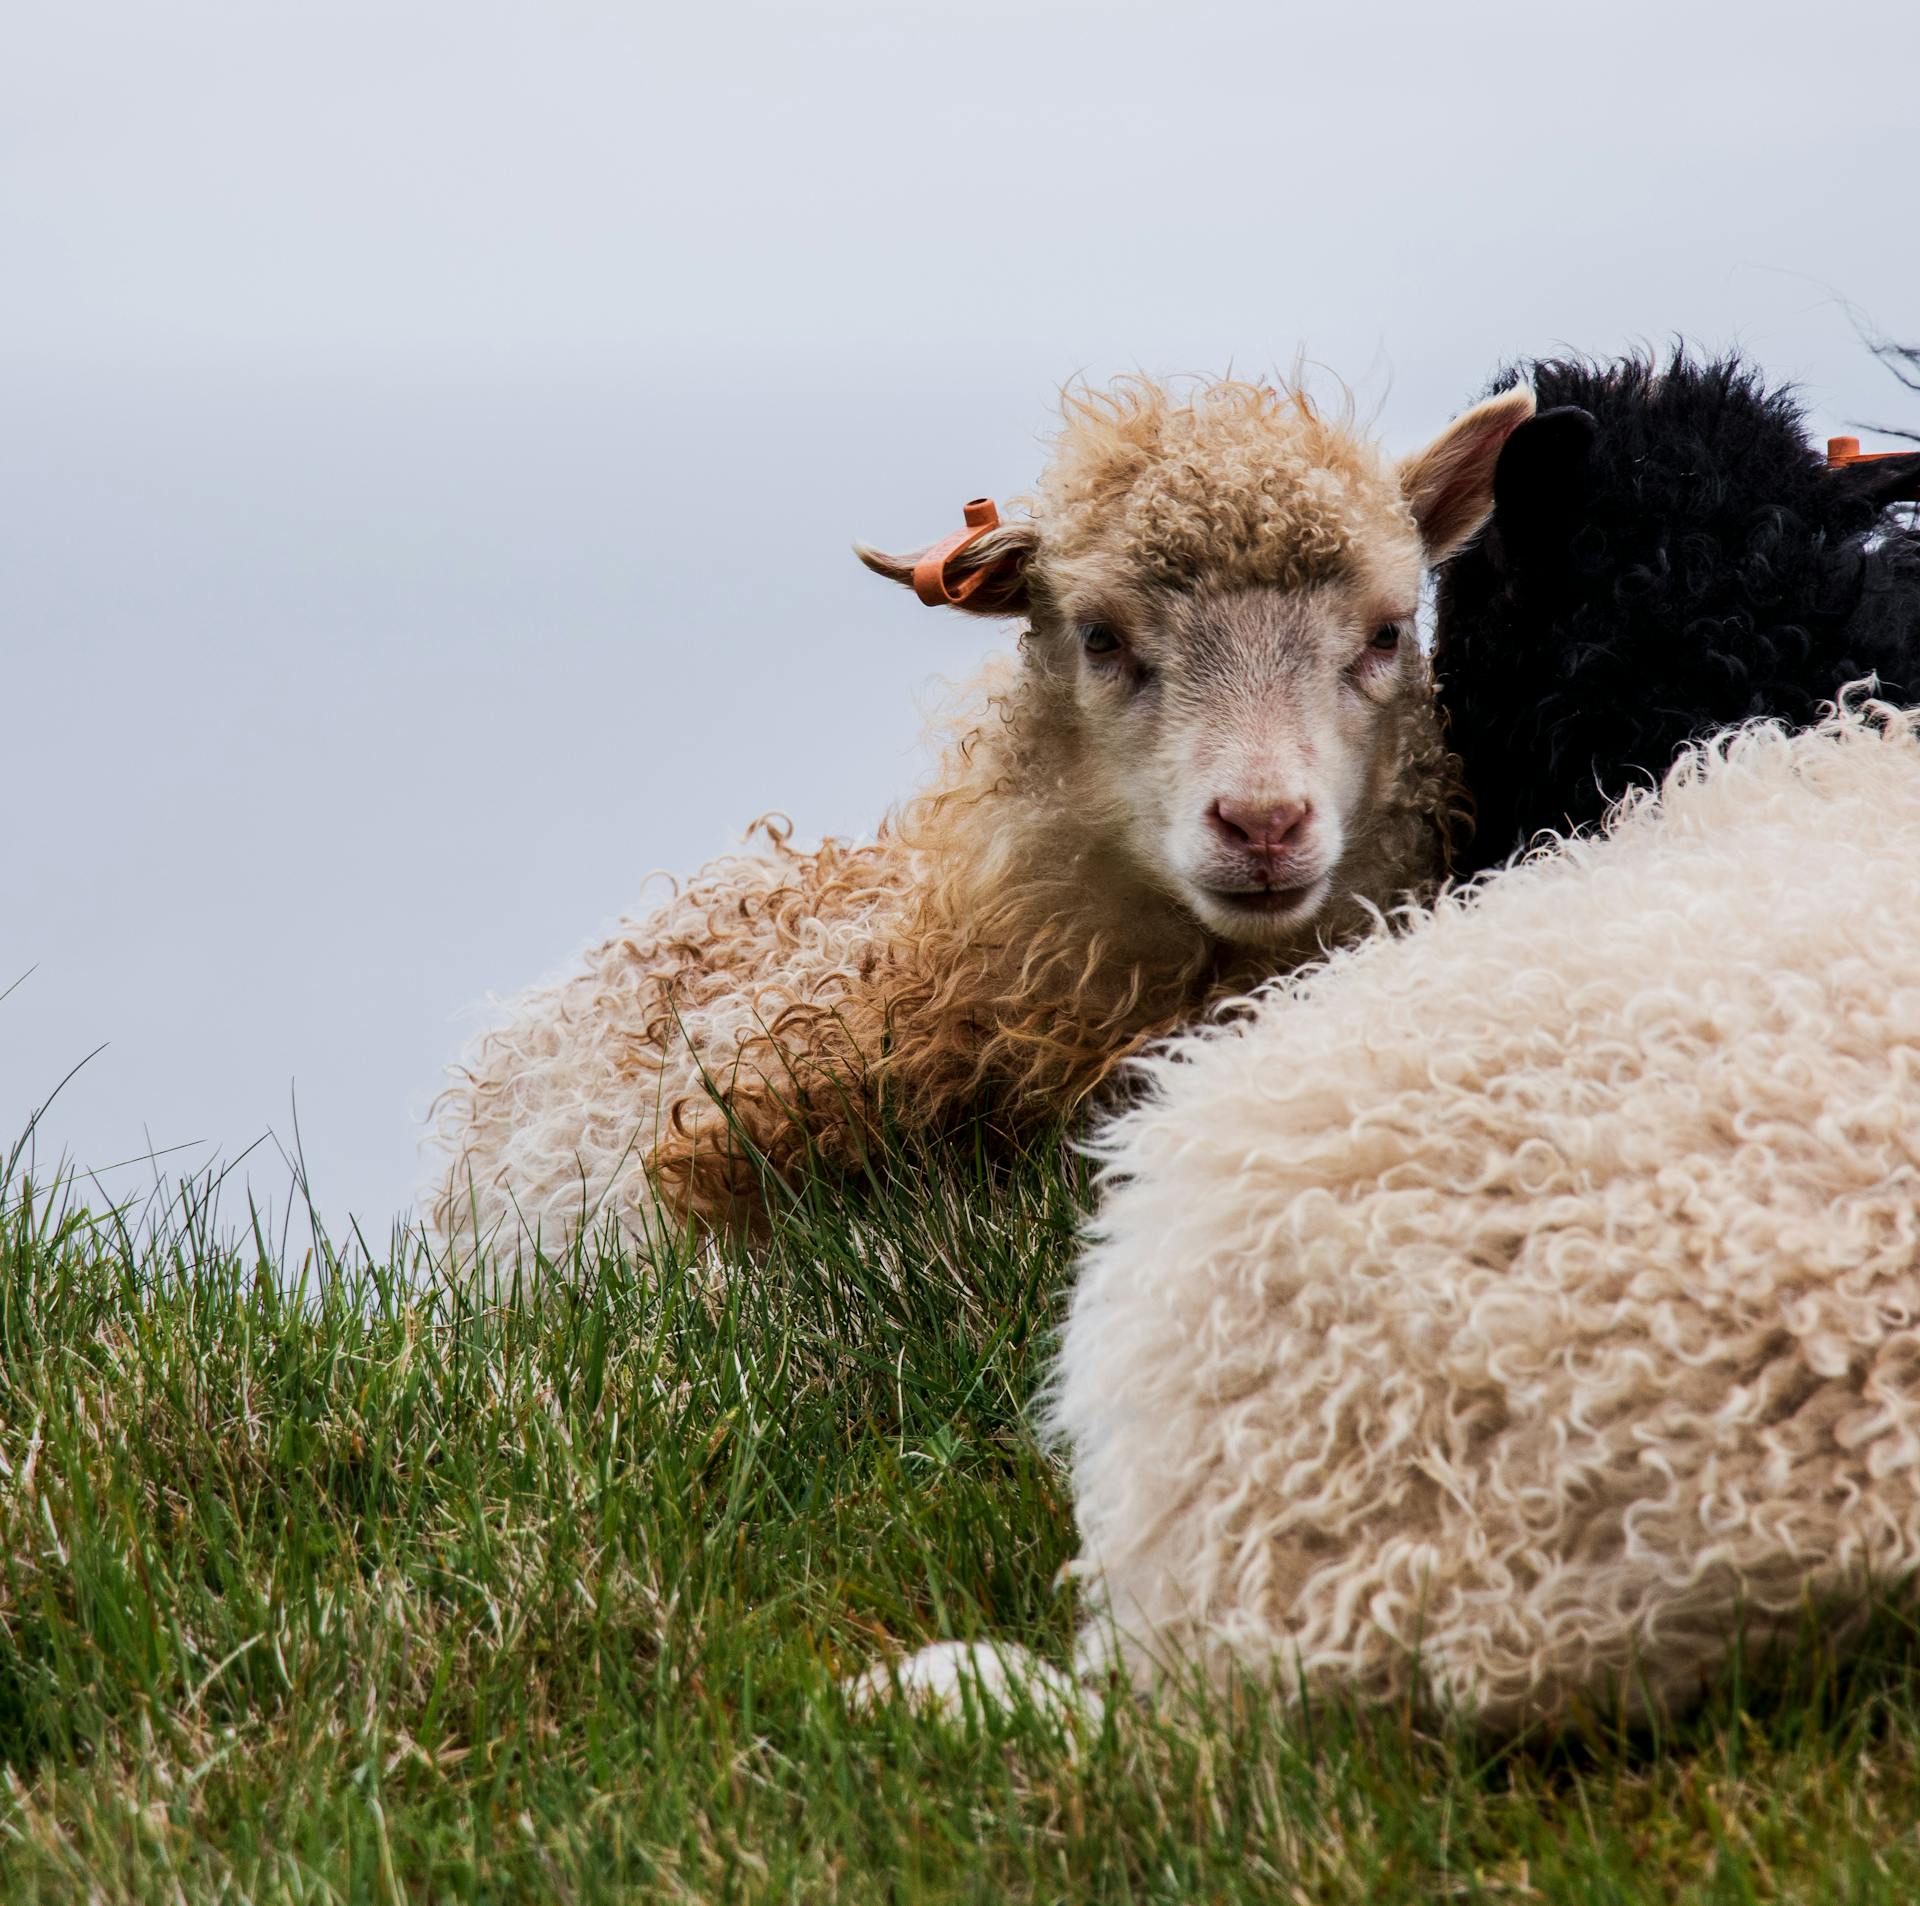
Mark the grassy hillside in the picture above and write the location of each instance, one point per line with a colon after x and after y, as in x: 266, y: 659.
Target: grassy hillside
x: 325, y: 1584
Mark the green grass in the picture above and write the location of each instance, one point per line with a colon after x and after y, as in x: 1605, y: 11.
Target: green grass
x: 326, y: 1583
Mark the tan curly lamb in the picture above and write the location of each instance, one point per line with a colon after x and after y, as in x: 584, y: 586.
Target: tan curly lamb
x: 1216, y: 752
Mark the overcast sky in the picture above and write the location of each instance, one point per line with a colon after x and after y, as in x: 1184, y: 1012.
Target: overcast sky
x: 431, y: 434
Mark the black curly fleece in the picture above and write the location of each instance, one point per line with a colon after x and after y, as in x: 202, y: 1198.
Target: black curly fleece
x: 1668, y: 554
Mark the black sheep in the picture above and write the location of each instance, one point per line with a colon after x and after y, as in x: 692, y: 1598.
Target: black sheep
x: 1668, y: 555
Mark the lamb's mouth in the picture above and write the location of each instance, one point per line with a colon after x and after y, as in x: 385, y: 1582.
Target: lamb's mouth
x: 1269, y: 902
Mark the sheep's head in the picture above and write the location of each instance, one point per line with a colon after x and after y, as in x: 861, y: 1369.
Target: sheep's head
x: 1220, y: 591
x: 1667, y: 555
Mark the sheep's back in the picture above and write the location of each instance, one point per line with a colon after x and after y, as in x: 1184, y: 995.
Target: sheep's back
x: 1536, y: 1289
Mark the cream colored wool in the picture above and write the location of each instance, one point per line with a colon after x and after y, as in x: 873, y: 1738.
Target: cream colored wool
x: 1536, y: 1291
x: 1018, y: 929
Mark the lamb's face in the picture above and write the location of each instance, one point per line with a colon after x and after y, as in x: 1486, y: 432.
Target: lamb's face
x: 1236, y: 740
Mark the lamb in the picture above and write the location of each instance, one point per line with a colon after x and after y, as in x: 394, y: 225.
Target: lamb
x: 1667, y: 557
x: 1216, y: 753
x: 1525, y: 1310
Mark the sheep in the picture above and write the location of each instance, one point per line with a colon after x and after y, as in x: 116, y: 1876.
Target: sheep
x: 1215, y: 753
x: 1522, y: 1312
x: 1667, y: 557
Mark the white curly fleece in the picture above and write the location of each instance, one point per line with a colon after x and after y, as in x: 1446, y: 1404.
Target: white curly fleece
x: 1537, y: 1289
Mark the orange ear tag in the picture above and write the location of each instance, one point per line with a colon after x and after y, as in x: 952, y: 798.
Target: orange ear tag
x: 1842, y: 451
x: 930, y: 572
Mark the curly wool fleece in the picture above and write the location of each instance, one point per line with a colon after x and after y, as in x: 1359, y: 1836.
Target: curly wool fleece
x: 1538, y: 1292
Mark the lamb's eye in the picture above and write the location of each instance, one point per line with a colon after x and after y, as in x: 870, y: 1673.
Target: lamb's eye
x: 1097, y: 639
x: 1386, y: 638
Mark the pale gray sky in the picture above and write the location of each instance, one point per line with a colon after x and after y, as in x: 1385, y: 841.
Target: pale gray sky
x: 430, y: 434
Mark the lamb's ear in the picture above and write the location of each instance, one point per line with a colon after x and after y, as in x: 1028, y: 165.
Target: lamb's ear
x: 1449, y: 484
x: 982, y: 569
x: 1543, y: 477
x: 1878, y: 481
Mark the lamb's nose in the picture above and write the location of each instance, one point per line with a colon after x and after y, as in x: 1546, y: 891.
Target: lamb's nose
x: 1267, y: 828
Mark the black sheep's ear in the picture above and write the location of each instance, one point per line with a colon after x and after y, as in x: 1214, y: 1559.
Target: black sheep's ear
x: 1874, y: 482
x: 1543, y: 480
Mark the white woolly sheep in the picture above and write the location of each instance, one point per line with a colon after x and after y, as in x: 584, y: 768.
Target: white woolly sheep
x: 1527, y: 1308
x: 1217, y: 752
